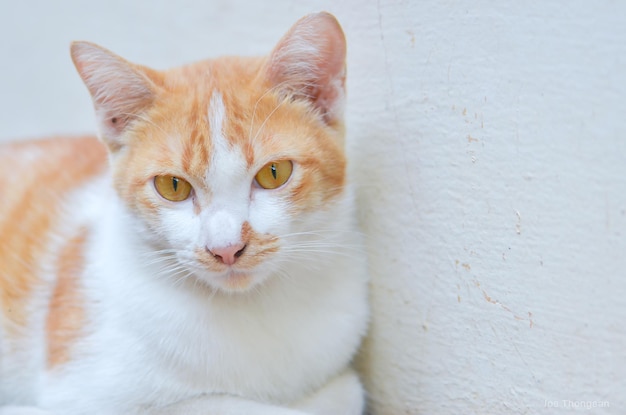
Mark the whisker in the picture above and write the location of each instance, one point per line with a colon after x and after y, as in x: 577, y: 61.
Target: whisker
x: 285, y: 99
x: 145, y: 119
x: 256, y: 104
x: 268, y: 117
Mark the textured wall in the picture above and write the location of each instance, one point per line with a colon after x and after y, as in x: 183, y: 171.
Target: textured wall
x: 488, y: 146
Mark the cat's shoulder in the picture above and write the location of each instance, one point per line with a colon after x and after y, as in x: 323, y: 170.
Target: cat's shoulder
x: 39, y: 172
x: 50, y: 147
x: 41, y: 158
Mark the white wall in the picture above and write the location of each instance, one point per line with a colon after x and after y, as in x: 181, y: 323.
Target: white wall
x: 488, y: 142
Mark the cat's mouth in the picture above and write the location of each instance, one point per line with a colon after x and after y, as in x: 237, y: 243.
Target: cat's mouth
x: 229, y: 279
x: 234, y: 280
x: 248, y: 272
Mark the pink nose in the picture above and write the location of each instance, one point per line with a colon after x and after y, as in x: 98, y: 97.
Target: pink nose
x: 229, y: 254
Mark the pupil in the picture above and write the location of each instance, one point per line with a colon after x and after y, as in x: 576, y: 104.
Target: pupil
x: 175, y: 183
x: 273, y: 171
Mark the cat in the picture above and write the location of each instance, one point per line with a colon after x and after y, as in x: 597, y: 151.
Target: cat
x: 201, y: 255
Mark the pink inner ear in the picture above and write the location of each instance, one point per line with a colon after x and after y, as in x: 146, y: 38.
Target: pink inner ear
x: 117, y: 88
x: 114, y: 122
x: 309, y: 63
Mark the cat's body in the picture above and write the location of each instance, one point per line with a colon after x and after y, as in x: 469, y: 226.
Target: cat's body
x: 120, y: 295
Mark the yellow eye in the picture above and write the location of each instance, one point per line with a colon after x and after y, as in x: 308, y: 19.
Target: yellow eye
x: 172, y: 188
x: 274, y: 174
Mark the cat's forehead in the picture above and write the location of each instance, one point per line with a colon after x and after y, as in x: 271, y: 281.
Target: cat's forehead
x: 250, y: 122
x: 199, y: 126
x: 224, y: 98
x: 227, y: 155
x: 213, y: 122
x: 216, y: 112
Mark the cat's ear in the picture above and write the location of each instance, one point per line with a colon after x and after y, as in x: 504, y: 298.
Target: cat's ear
x: 309, y: 63
x: 120, y: 90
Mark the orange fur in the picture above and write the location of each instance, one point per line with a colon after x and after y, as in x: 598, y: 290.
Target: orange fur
x: 166, y: 132
x: 33, y: 177
x: 252, y: 112
x: 180, y: 135
x: 66, y: 317
x: 259, y: 247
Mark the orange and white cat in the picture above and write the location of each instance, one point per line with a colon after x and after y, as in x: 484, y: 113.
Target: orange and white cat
x: 201, y: 257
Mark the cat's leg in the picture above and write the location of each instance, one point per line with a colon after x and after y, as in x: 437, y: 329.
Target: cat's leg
x: 23, y: 410
x: 343, y: 395
x: 218, y: 405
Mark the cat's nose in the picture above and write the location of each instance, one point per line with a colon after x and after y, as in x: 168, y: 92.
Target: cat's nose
x: 228, y: 254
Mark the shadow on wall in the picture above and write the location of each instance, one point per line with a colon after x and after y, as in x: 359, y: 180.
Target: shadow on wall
x: 387, y: 212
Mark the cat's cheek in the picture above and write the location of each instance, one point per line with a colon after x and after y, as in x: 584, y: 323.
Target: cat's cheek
x: 269, y: 213
x: 178, y: 225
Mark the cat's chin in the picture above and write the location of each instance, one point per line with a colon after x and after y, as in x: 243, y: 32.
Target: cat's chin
x: 237, y: 281
x: 232, y: 281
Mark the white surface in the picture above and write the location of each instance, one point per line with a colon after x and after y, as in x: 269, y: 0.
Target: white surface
x: 488, y: 145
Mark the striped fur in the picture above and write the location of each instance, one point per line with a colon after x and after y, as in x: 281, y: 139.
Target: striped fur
x: 112, y: 299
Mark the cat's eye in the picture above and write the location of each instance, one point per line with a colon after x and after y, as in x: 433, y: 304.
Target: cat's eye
x: 274, y: 174
x: 172, y: 188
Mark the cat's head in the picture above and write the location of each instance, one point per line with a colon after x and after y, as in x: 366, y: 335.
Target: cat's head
x: 226, y: 164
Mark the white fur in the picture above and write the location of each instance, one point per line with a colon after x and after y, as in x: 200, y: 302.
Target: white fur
x: 155, y: 341
x: 162, y: 335
x: 229, y: 184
